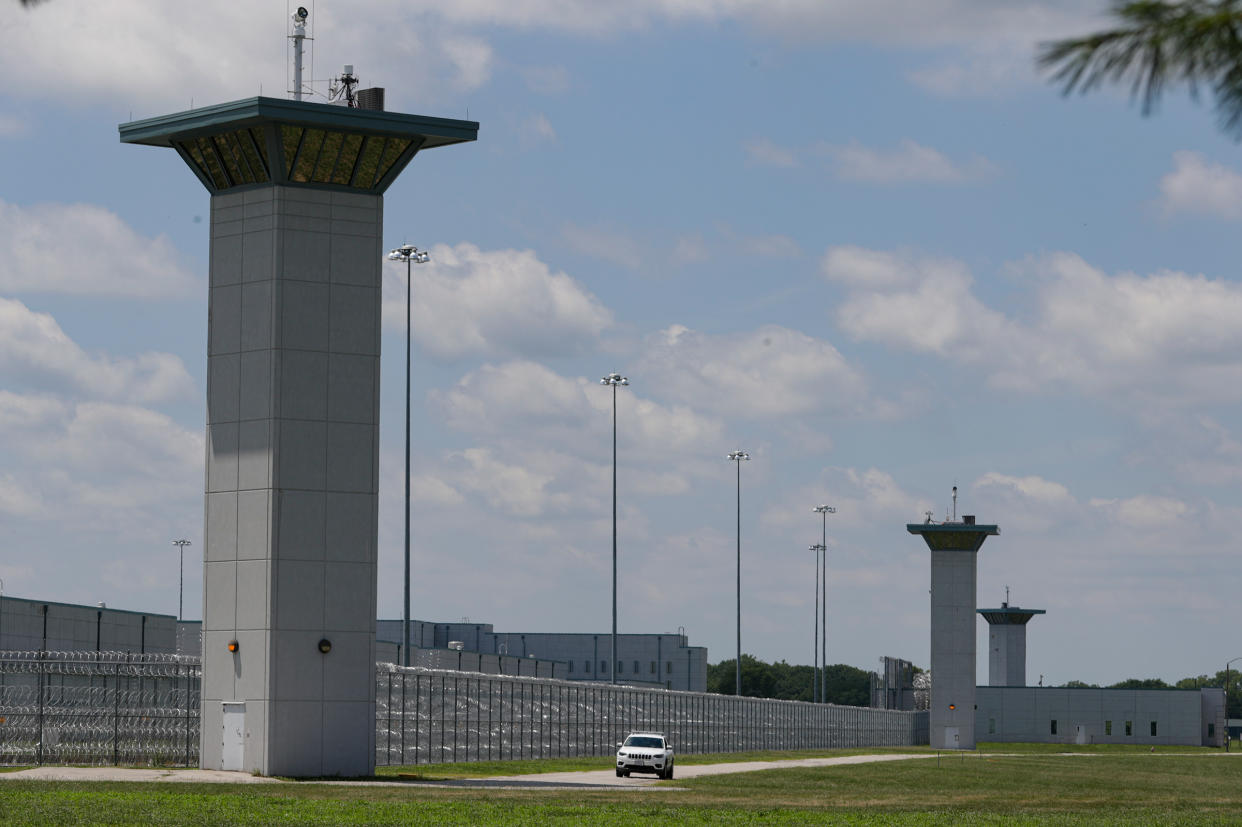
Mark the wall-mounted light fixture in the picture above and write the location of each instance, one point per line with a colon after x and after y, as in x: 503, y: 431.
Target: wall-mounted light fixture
x: 234, y: 646
x: 325, y: 645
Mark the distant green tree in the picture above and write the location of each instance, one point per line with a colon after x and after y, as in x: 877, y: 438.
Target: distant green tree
x: 847, y: 685
x: 1233, y: 692
x: 1080, y: 685
x: 1141, y: 683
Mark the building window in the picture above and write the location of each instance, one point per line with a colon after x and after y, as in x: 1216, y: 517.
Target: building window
x: 1211, y: 730
x: 603, y: 667
x: 620, y: 668
x: 991, y: 726
x: 1129, y: 727
x: 1108, y: 727
x: 1054, y: 726
x: 654, y: 668
x: 637, y: 668
x: 586, y: 666
x: 1153, y: 729
x: 668, y: 667
x: 571, y: 666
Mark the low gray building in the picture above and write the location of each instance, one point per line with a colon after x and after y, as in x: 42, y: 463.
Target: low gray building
x: 666, y: 660
x: 1061, y: 715
x: 47, y: 626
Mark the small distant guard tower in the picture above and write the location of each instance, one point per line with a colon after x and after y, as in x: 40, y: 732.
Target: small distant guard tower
x: 954, y: 547
x: 1007, y: 643
x: 289, y: 587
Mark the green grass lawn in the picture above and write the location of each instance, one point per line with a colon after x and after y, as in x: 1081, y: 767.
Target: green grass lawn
x: 1037, y: 787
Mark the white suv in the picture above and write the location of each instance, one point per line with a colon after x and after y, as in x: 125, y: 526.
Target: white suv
x: 645, y: 752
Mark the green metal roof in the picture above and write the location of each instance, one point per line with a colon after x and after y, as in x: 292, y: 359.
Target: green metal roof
x: 953, y: 536
x: 1009, y: 615
x: 268, y: 141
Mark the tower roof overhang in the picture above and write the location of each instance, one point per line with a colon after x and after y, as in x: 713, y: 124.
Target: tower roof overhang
x: 953, y: 536
x: 1009, y: 615
x: 269, y: 141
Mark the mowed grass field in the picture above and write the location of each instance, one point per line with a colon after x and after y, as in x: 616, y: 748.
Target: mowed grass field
x: 1035, y: 787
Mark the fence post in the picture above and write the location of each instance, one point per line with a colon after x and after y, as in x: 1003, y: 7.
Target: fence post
x: 116, y: 713
x: 39, y: 688
x: 187, y: 714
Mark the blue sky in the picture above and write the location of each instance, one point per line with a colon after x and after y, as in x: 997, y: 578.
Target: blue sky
x: 865, y: 242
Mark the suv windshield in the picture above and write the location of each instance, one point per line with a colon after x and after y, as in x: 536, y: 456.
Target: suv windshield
x: 641, y: 741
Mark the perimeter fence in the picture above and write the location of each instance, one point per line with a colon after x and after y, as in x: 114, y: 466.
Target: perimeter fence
x: 426, y: 716
x: 119, y: 708
x: 99, y: 708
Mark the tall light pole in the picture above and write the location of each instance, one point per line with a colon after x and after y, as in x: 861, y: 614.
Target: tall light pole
x: 181, y: 544
x: 739, y: 457
x: 614, y: 379
x: 410, y: 255
x: 1227, y: 700
x: 815, y: 673
x: 824, y: 511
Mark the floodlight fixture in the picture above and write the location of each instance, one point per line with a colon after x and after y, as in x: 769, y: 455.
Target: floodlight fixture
x: 824, y: 511
x: 739, y: 456
x: 409, y: 254
x: 614, y: 380
x: 181, y: 544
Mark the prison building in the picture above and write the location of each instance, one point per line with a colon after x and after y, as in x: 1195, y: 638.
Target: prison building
x: 46, y: 626
x: 1086, y: 715
x: 665, y: 660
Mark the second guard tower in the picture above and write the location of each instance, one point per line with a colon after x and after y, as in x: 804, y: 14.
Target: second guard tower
x: 1007, y: 643
x: 289, y: 586
x: 954, y: 551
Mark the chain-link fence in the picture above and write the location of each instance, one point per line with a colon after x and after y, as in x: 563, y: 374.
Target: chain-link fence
x: 98, y: 708
x: 117, y: 708
x: 433, y: 716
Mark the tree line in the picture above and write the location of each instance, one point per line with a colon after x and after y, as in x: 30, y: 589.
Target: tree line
x: 847, y: 685
x: 1233, y: 692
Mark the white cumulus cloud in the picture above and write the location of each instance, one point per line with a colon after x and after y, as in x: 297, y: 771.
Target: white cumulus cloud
x: 771, y: 371
x: 36, y: 352
x: 909, y: 162
x: 469, y: 301
x: 1080, y: 328
x: 1199, y: 187
x: 107, y: 256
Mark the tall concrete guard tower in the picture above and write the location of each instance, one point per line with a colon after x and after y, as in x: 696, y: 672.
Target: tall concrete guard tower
x: 1007, y: 643
x: 292, y: 421
x: 954, y: 547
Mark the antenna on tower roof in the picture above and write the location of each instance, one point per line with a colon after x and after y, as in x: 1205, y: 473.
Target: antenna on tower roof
x: 344, y: 87
x: 299, y: 35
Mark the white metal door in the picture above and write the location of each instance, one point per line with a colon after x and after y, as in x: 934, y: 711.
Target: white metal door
x: 233, y: 735
x: 951, y: 737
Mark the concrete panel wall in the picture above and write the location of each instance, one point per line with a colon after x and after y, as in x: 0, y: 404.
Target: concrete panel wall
x: 1094, y: 716
x: 26, y: 625
x: 292, y: 458
x: 953, y: 649
x: 1007, y: 654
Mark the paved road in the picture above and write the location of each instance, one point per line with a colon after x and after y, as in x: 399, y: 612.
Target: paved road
x: 608, y: 778
x: 552, y: 780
